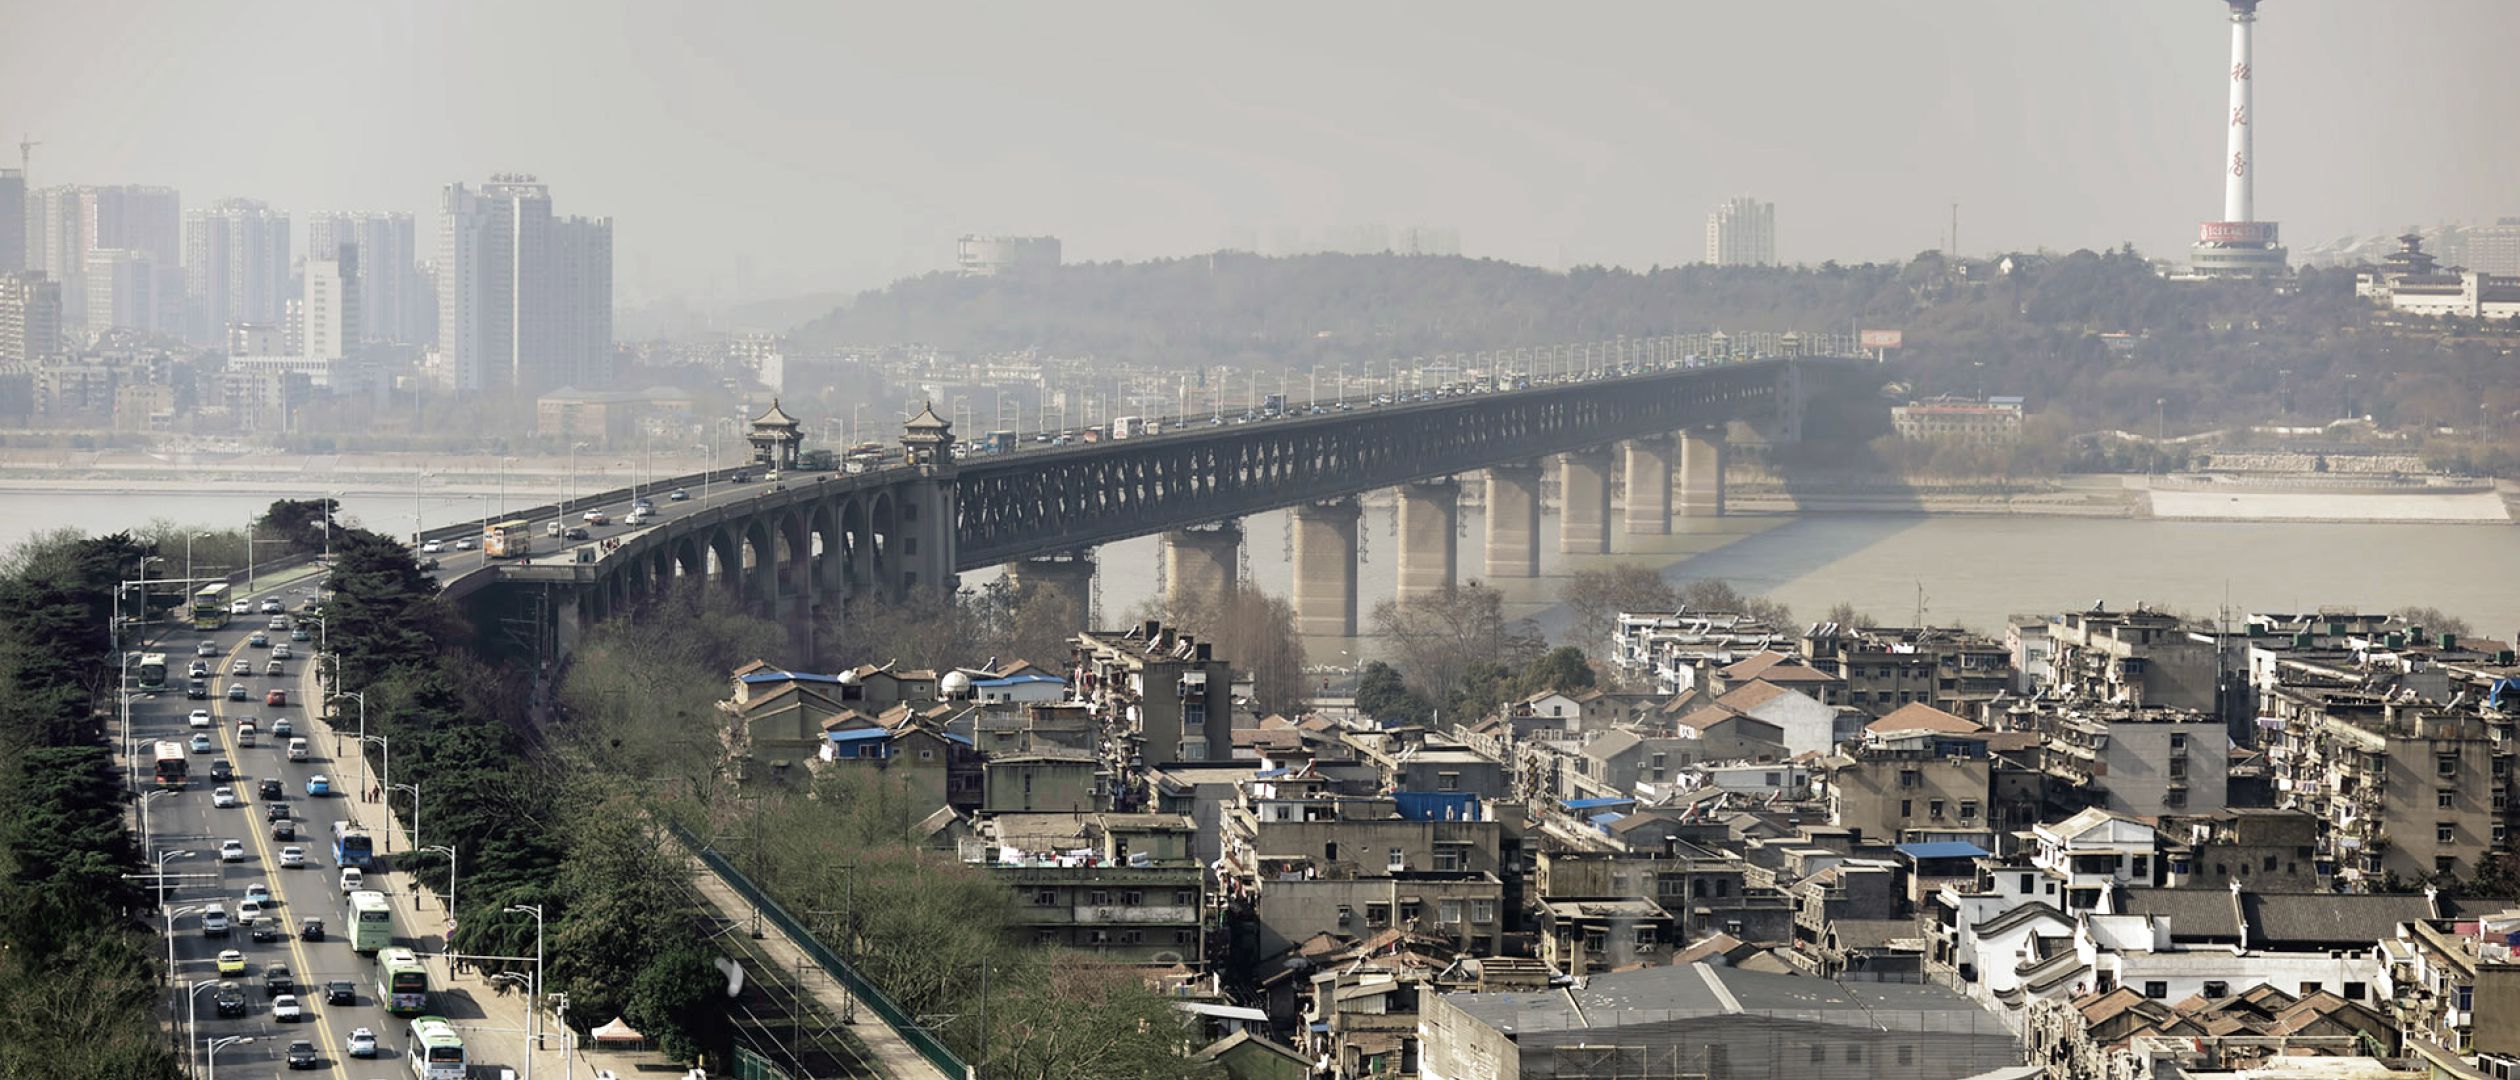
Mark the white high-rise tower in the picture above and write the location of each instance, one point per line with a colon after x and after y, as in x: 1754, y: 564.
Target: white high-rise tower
x: 2239, y: 245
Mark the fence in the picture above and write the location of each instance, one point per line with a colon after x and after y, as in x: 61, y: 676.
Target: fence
x: 894, y: 1017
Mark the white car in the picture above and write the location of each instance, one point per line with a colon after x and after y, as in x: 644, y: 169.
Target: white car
x: 292, y: 856
x: 224, y: 798
x: 362, y: 1043
x: 285, y: 1008
x: 199, y: 718
x: 352, y: 879
x: 231, y: 851
x: 248, y: 912
x: 241, y: 607
x: 432, y: 547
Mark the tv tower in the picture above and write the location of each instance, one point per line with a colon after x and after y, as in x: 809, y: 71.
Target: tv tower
x: 2239, y: 245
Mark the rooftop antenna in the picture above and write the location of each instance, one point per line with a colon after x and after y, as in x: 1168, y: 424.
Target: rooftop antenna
x: 1920, y: 603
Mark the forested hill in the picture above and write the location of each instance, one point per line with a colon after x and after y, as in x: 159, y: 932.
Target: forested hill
x: 2211, y: 352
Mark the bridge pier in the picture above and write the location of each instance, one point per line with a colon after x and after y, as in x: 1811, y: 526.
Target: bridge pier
x: 1702, y: 473
x: 1584, y: 488
x: 1513, y: 521
x: 1649, y: 486
x: 1202, y: 566
x: 1065, y: 579
x: 1430, y: 543
x: 1325, y: 568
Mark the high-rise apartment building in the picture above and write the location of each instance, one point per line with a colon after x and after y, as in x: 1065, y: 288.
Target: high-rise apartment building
x: 123, y: 287
x: 1742, y: 232
x: 12, y: 221
x: 394, y: 301
x: 330, y: 312
x: 65, y: 225
x: 30, y: 318
x: 524, y: 297
x: 236, y: 268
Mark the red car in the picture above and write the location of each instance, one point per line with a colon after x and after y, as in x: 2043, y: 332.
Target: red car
x: 276, y: 697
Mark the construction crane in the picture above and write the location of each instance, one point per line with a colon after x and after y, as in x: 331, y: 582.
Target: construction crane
x: 26, y: 155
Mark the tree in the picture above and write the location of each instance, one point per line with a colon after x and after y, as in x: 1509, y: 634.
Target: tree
x: 1596, y: 596
x: 1843, y: 613
x: 1562, y: 669
x: 1717, y: 594
x: 1435, y: 639
x: 299, y: 524
x: 2433, y: 620
x: 1255, y: 632
x: 1383, y: 696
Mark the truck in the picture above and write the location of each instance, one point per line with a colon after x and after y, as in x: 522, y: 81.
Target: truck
x: 1273, y: 405
x: 997, y: 442
x: 1128, y: 427
x: 818, y: 460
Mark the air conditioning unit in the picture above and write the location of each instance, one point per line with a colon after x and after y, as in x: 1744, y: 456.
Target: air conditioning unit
x: 2499, y: 1066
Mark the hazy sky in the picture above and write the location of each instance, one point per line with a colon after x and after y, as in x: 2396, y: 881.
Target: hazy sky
x: 757, y: 149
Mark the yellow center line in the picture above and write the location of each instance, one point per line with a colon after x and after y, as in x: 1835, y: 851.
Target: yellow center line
x: 330, y: 1049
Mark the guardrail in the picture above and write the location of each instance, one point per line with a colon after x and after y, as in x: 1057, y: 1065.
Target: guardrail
x: 894, y: 1017
x: 472, y: 527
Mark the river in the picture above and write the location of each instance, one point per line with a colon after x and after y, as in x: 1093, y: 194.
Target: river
x: 1972, y: 571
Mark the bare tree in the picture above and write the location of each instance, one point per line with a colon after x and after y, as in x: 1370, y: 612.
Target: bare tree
x: 1435, y: 640
x: 1253, y: 631
x: 1597, y: 596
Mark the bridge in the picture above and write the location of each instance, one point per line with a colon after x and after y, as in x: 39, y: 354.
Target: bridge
x: 806, y: 540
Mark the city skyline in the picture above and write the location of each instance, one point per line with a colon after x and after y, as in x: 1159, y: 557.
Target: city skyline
x: 2052, y: 128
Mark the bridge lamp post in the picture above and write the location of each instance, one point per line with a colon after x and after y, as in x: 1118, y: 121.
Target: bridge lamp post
x: 215, y: 1045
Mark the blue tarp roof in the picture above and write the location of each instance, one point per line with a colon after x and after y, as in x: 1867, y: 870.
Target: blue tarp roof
x: 959, y: 737
x: 857, y: 734
x: 1436, y: 805
x: 1021, y: 680
x: 1273, y: 774
x: 1595, y: 804
x: 1942, y: 849
x: 1608, y: 817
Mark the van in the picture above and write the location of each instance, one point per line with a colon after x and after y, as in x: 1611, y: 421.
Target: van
x: 552, y: 529
x: 297, y: 750
x: 245, y: 733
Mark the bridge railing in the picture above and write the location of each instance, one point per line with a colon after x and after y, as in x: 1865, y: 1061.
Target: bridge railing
x: 841, y: 971
x: 564, y: 507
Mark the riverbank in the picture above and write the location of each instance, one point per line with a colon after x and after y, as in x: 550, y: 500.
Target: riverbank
x: 2300, y: 501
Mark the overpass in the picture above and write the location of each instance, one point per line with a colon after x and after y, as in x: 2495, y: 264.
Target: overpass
x: 810, y: 539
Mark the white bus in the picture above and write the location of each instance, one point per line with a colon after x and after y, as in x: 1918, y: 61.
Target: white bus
x: 437, y: 1052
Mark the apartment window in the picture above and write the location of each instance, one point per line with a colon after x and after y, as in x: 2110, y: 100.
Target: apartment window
x: 2176, y: 796
x: 1909, y: 778
x: 1854, y: 1053
x: 2178, y: 742
x: 2445, y: 764
x: 2216, y: 988
x: 2445, y: 864
x: 927, y: 754
x: 1098, y: 937
x: 1185, y: 897
x: 1774, y: 779
x: 1194, y: 750
x: 1448, y: 781
x: 1412, y: 910
x: 1046, y: 898
x: 2501, y: 799
x: 1907, y: 808
x: 1398, y: 860
x: 1482, y: 911
x: 2354, y: 991
x: 2143, y: 869
x: 1658, y: 760
x: 2445, y: 832
x: 1181, y: 937
x: 1377, y: 915
x: 1644, y: 937
x: 1133, y: 897
x: 2445, y: 798
x: 1594, y: 942
x: 2156, y: 988
x: 1819, y: 1054
x: 1100, y: 898
x: 1449, y: 857
x: 2028, y: 883
x: 1907, y: 1054
x: 1934, y: 809
x: 1045, y: 937
x: 1448, y: 912
x: 1133, y: 937
x: 2178, y: 768
x: 1194, y: 716
x: 1968, y: 809
x: 2308, y: 988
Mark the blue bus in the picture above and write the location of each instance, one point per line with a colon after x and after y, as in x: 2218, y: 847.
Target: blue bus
x: 352, y: 846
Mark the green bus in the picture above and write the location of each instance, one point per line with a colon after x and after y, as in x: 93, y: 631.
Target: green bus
x: 152, y: 671
x: 436, y: 1050
x: 402, y: 983
x: 210, y: 607
x: 371, y: 924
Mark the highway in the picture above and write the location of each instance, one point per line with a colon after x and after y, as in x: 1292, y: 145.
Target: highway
x: 452, y: 563
x: 186, y: 821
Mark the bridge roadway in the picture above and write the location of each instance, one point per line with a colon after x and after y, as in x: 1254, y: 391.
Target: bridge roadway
x: 809, y: 538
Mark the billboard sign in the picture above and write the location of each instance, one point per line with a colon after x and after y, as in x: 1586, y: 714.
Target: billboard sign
x: 2236, y: 232
x: 1881, y: 339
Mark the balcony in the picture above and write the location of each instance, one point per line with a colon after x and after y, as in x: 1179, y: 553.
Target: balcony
x: 1118, y: 915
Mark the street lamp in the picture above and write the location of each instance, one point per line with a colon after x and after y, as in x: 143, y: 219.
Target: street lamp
x: 414, y: 789
x: 573, y: 488
x: 231, y: 1040
x: 173, y: 914
x: 450, y: 878
x: 533, y: 1004
x: 416, y: 478
x: 192, y: 1015
x: 188, y: 565
x: 359, y: 696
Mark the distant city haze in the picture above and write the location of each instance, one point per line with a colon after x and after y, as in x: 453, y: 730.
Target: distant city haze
x: 764, y: 150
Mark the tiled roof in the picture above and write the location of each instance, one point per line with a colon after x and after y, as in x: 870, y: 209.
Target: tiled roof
x: 1918, y: 716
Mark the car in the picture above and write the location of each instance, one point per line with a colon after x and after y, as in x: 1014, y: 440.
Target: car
x: 269, y: 790
x: 598, y: 517
x: 679, y: 495
x: 271, y: 605
x: 281, y: 728
x: 266, y: 932
x: 206, y: 648
x: 200, y: 669
x: 242, y: 666
x: 260, y: 640
x: 214, y: 921
x: 220, y: 770
x: 275, y: 811
x: 248, y: 912
x: 285, y: 1009
x: 429, y: 563
x: 245, y: 731
x: 432, y: 547
x: 318, y: 785
x: 362, y: 1043
x: 341, y: 992
x: 231, y: 962
x: 228, y: 1000
x: 259, y: 891
x: 197, y: 690
x: 231, y: 851
x: 281, y: 651
x: 579, y: 533
x: 466, y: 543
x: 302, y: 1055
x: 274, y: 667
x: 241, y: 607
x: 276, y: 698
x: 284, y: 830
x: 292, y: 857
x: 236, y: 691
x: 300, y: 634
x: 199, y: 718
x: 310, y: 929
x: 740, y: 478
x: 224, y: 798
x: 278, y: 622
x: 201, y: 744
x: 353, y: 879
x: 278, y: 981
